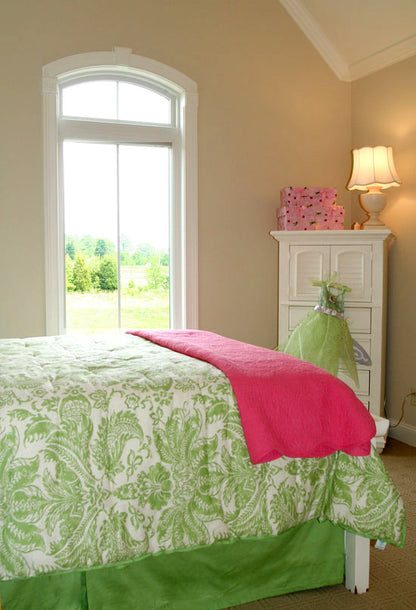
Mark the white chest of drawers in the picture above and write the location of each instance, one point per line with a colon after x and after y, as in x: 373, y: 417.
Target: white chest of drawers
x: 359, y: 259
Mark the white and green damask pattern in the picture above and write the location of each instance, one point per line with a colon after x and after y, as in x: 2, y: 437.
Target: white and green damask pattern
x: 112, y: 448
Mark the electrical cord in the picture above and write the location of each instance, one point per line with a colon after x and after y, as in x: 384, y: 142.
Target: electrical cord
x: 402, y: 413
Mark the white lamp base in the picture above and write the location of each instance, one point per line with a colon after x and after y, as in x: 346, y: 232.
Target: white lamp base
x: 373, y: 203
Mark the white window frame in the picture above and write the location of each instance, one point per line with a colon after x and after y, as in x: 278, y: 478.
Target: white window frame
x: 183, y: 137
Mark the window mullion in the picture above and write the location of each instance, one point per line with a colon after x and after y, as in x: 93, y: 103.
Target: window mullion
x: 116, y: 132
x: 118, y: 241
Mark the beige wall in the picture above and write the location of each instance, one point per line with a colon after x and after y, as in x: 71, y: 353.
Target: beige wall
x: 271, y: 114
x: 384, y: 112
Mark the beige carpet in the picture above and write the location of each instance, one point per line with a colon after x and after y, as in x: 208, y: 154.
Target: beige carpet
x: 392, y: 571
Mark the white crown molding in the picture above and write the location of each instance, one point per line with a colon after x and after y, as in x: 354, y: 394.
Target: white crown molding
x: 384, y: 58
x: 344, y: 71
x: 316, y: 35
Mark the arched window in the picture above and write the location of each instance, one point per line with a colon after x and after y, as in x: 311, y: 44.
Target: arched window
x: 120, y: 194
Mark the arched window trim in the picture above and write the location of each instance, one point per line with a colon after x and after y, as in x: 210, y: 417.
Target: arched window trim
x: 121, y: 61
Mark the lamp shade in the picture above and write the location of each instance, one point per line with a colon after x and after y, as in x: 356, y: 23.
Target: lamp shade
x: 373, y: 168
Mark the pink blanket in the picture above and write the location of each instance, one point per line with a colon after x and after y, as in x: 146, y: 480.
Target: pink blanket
x: 287, y: 406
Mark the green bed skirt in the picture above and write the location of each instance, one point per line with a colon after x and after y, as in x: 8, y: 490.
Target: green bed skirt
x: 205, y: 578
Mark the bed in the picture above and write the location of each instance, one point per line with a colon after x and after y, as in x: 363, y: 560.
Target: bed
x: 126, y: 482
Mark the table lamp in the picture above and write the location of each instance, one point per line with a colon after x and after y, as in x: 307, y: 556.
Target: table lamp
x: 373, y: 170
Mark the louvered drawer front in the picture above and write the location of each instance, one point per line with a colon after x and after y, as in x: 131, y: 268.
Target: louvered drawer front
x: 353, y: 268
x: 307, y: 263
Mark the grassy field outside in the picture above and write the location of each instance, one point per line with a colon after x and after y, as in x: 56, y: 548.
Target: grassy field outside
x: 141, y: 306
x: 88, y: 313
x: 135, y: 273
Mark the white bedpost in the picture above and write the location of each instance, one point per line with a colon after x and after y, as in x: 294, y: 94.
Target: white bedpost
x: 357, y: 563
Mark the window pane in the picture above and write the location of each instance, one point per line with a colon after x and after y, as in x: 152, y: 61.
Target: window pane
x: 98, y: 99
x: 92, y: 99
x: 116, y: 196
x: 144, y: 228
x: 142, y: 105
x: 90, y: 203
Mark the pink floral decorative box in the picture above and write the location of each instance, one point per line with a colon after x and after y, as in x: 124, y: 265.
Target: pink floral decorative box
x: 309, y: 209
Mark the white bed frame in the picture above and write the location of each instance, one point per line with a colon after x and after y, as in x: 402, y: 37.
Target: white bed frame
x: 357, y: 563
x: 357, y: 548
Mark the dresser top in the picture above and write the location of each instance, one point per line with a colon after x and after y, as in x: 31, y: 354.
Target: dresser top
x: 338, y: 237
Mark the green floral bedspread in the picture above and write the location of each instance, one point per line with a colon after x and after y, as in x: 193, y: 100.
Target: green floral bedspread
x: 112, y: 448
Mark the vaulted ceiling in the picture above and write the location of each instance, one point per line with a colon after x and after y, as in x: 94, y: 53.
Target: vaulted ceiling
x: 357, y: 37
